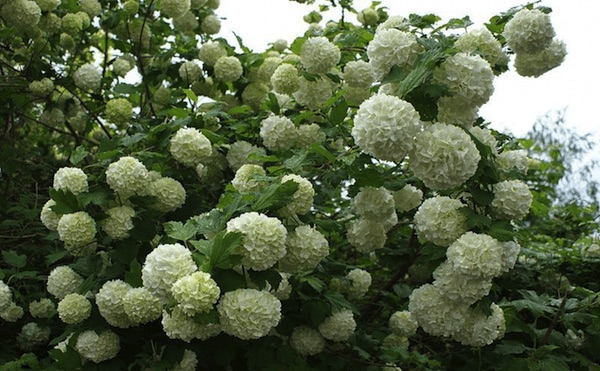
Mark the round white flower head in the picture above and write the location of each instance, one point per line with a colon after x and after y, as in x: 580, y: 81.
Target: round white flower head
x: 306, y: 247
x: 42, y: 87
x: 481, y: 41
x: 302, y: 199
x: 240, y: 151
x: 163, y: 266
x: 76, y: 230
x: 53, y: 117
x: 403, y: 323
x: 538, y: 63
x: 529, y: 31
x: 510, y: 253
x: 307, y: 341
x: 358, y: 74
x: 284, y: 290
x: 513, y: 159
x: 458, y: 287
x: 211, y: 24
x: 63, y: 281
x: 254, y: 94
x: 439, y: 220
x: 141, y: 306
x: 170, y: 194
x: 48, y: 217
x: 91, y: 7
x: 477, y: 255
x: 319, y: 55
x: 263, y: 240
x: 309, y: 134
x: 5, y: 296
x: 407, y: 198
x: 485, y: 136
x: 374, y: 203
x: 118, y: 110
x: 512, y: 199
x: 285, y: 79
x: 385, y: 126
x: 360, y: 281
x: 444, y: 156
x: 246, y: 178
x: 280, y: 45
x: 109, y: 300
x: 189, y: 146
x: 366, y: 235
x: 32, y: 336
x: 313, y: 94
x: 196, y: 293
x: 70, y: 179
x: 368, y: 17
x: 267, y: 68
x: 71, y: 23
x: 127, y: 177
x: 186, y: 24
x: 454, y: 110
x: 434, y: 313
x: 87, y: 77
x: 178, y: 325
x: 278, y: 133
x: 228, y: 69
x: 189, y: 362
x: 119, y: 222
x: 394, y: 21
x: 190, y: 71
x: 391, y: 47
x: 42, y: 308
x: 174, y: 8
x: 98, y: 348
x: 339, y: 326
x: 210, y: 52
x: 12, y: 313
x: 74, y: 308
x: 248, y: 313
x: 122, y: 66
x: 468, y: 78
x: 591, y: 251
x: 480, y: 330
x: 23, y: 15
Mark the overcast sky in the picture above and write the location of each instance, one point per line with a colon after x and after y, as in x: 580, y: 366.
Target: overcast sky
x: 517, y: 101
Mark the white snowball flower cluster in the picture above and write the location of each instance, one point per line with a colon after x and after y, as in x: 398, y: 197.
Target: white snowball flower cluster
x: 254, y: 94
x: 5, y: 296
x: 391, y: 47
x: 313, y: 94
x: 395, y: 341
x: 455, y: 111
x: 239, y: 153
x: 48, y: 217
x: 476, y: 255
x: 70, y: 179
x: 74, y: 308
x: 186, y: 24
x: 42, y: 87
x: 394, y: 21
x: 339, y: 326
x: 407, y: 198
x: 385, y: 126
x: 307, y: 341
x: 513, y: 159
x: 164, y: 266
x: 228, y: 69
x: 211, y: 24
x: 460, y: 287
x: 538, y: 63
x: 248, y: 313
x: 285, y: 79
x: 189, y: 362
x: 189, y: 146
x: 306, y: 247
x: 32, y: 336
x: 444, y: 156
x: 210, y: 52
x: 529, y: 31
x: 510, y: 253
x: 480, y: 329
x: 278, y: 133
x: 485, y: 136
x: 196, y: 293
x: 439, y: 220
x: 512, y: 199
x: 12, y: 313
x: 319, y: 55
x: 376, y: 204
x: 119, y: 222
x: 174, y: 8
x: 77, y: 230
x: 358, y: 74
x: 368, y: 17
x: 190, y: 71
x: 267, y: 68
x: 141, y: 306
x: 63, y: 281
x: 90, y: 7
x: 109, y: 300
x: 468, y: 77
x: 246, y: 178
x: 360, y: 281
x: 436, y: 315
x: 23, y: 15
x: 118, y: 110
x: 403, y: 323
x: 302, y: 199
x: 127, y: 177
x: 87, y: 77
x: 42, y: 308
x: 98, y: 348
x: 366, y: 235
x: 481, y: 41
x: 169, y: 193
x: 263, y: 240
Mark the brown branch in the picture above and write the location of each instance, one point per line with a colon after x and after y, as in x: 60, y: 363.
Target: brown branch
x: 91, y: 141
x: 555, y: 320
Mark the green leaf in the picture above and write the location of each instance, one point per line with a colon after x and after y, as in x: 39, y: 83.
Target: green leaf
x: 507, y: 347
x: 134, y: 275
x: 211, y: 316
x: 229, y: 280
x: 297, y: 45
x: 190, y: 95
x: 503, y: 231
x: 474, y: 220
x: 338, y: 112
x: 481, y: 196
x: 12, y: 258
x: 272, y: 103
x: 317, y: 284
x: 422, y: 71
x: 66, y: 202
x: 296, y: 161
x: 78, y: 155
x: 100, y: 197
x: 210, y: 223
x: 222, y: 250
x: 338, y: 301
x: 260, y: 278
x: 180, y: 231
x: 275, y: 196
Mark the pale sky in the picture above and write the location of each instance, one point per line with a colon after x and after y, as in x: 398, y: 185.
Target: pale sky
x: 517, y: 101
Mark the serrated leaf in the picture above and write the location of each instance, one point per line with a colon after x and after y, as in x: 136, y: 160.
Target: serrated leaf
x: 272, y: 103
x: 134, y: 275
x: 338, y: 112
x: 508, y: 347
x: 78, y: 155
x: 222, y: 250
x: 261, y: 278
x: 339, y: 302
x: 275, y: 196
x: 180, y: 231
x: 66, y: 202
x: 229, y: 280
x: 100, y: 198
x: 211, y: 316
x: 296, y: 161
x: 314, y: 282
x: 474, y: 220
x: 297, y: 45
x: 12, y: 258
x: 481, y: 196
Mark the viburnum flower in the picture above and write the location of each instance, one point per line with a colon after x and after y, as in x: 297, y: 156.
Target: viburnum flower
x: 480, y: 329
x: 374, y: 203
x: 278, y: 133
x: 119, y: 222
x: 48, y: 217
x: 306, y: 247
x: 141, y: 306
x: 174, y: 8
x: 87, y: 77
x: 439, y: 220
x: 42, y: 308
x: 186, y: 24
x: 459, y: 287
x: 403, y: 323
x: 528, y: 31
x: 70, y: 179
x: 485, y: 136
x: 74, y: 308
x: 319, y: 55
x: 228, y: 69
x: 127, y: 177
x: 302, y: 199
x: 510, y: 253
x: 434, y: 313
x: 360, y: 281
x: 122, y: 66
x: 190, y: 71
x: 42, y: 87
x: 476, y: 255
x: 76, y: 230
x: 513, y: 159
x: 263, y: 240
x: 254, y: 94
x: 169, y: 193
x: 246, y: 178
x: 71, y: 23
x: 481, y: 41
x: 23, y: 15
x: 211, y: 24
x: 248, y: 313
x: 366, y: 235
x: 391, y: 47
x: 189, y: 146
x: 196, y: 293
x: 313, y: 94
x: 285, y: 79
x: 538, y: 63
x: 239, y: 153
x: 395, y: 341
x: 118, y: 111
x: 468, y: 77
x: 454, y: 110
x: 385, y: 126
x: 109, y: 300
x: 12, y: 312
x: 63, y: 281
x: 178, y: 325
x: 267, y: 68
x: 512, y: 199
x: 307, y: 341
x: 339, y: 326
x: 358, y: 74
x: 211, y: 51
x: 48, y: 5
x: 5, y: 296
x: 98, y: 348
x: 91, y: 7
x: 189, y: 362
x: 368, y: 17
x: 309, y: 134
x: 32, y: 336
x: 407, y: 198
x: 444, y: 156
x: 164, y: 266
x: 394, y: 21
